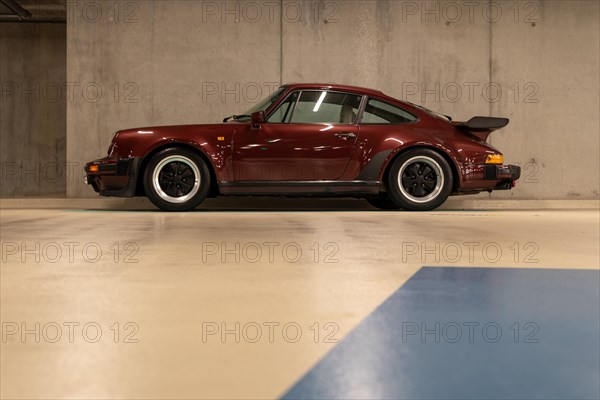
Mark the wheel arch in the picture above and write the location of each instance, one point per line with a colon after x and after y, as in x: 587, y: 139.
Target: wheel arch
x: 139, y: 188
x: 443, y: 152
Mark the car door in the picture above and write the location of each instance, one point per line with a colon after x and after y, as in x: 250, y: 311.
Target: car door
x: 309, y: 137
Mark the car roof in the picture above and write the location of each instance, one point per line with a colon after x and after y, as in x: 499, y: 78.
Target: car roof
x: 420, y: 111
x: 334, y: 86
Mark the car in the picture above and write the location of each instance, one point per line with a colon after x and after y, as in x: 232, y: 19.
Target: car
x: 309, y: 140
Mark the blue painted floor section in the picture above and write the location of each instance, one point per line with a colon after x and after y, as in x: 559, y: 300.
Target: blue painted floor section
x: 471, y: 333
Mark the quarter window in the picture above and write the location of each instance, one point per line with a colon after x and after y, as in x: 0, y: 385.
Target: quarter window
x: 378, y: 112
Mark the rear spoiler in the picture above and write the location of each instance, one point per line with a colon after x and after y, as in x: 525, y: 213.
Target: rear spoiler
x: 482, y: 126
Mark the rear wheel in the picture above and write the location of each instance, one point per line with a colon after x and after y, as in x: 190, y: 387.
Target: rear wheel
x: 420, y: 180
x: 176, y: 180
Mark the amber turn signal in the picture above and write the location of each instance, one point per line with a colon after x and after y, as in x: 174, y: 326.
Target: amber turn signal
x: 93, y: 168
x: 494, y: 159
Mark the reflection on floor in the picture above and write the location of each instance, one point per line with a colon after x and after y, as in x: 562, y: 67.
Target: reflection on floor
x: 243, y: 304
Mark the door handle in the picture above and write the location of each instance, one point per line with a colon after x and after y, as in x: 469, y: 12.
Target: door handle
x: 345, y: 135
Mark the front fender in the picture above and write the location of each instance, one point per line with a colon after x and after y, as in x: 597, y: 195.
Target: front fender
x: 213, y: 142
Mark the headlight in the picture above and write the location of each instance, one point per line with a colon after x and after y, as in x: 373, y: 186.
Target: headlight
x: 494, y: 159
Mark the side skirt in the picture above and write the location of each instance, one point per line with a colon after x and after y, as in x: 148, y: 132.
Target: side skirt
x: 301, y: 188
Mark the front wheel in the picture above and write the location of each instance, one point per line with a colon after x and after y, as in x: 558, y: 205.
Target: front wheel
x: 420, y: 180
x: 176, y: 180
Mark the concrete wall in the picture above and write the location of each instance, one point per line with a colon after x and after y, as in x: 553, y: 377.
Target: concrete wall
x: 174, y: 62
x: 33, y: 110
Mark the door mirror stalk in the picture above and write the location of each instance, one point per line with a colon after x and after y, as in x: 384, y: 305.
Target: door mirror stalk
x: 256, y: 119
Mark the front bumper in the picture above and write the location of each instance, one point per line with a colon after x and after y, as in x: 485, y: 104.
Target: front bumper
x: 115, y: 176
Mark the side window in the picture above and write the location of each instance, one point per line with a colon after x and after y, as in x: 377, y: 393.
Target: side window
x: 283, y: 113
x: 326, y: 107
x: 378, y: 112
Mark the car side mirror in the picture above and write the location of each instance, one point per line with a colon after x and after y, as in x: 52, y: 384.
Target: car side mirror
x: 256, y: 119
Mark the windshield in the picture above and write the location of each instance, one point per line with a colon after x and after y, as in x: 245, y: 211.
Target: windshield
x: 265, y: 103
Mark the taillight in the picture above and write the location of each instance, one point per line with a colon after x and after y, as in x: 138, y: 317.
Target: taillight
x: 494, y: 159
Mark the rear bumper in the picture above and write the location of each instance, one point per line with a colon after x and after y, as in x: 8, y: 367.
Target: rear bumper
x: 495, y: 172
x: 115, y: 176
x: 477, y: 178
x: 507, y: 174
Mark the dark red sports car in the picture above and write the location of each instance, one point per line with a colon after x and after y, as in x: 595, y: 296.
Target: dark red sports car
x: 309, y: 140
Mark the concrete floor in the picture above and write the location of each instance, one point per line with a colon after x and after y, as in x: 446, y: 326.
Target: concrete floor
x: 132, y: 304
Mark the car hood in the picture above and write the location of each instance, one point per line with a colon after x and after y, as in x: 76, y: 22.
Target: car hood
x: 168, y: 128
